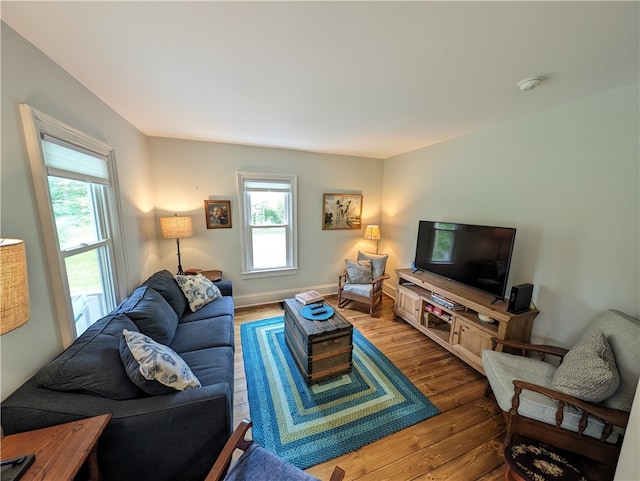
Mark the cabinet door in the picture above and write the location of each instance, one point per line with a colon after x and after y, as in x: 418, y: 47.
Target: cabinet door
x: 469, y: 340
x: 407, y: 305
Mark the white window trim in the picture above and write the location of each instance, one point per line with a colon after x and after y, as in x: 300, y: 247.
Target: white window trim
x: 34, y: 123
x: 244, y: 216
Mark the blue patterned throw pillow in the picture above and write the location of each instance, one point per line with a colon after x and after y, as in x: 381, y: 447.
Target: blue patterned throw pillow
x: 198, y: 290
x: 157, y: 362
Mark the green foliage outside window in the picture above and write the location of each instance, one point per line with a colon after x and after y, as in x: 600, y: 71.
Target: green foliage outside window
x: 443, y: 244
x: 72, y: 210
x: 267, y: 208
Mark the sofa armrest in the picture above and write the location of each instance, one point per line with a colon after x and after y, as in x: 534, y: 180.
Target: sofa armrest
x: 226, y: 288
x: 145, y: 436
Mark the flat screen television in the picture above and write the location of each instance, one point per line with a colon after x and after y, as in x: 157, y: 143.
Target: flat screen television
x: 474, y: 255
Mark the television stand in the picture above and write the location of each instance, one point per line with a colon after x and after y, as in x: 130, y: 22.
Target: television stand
x: 496, y: 299
x: 458, y: 330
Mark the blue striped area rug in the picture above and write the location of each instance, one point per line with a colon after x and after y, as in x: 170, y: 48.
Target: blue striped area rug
x: 308, y: 425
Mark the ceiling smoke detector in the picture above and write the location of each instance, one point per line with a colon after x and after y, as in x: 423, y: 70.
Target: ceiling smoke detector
x: 529, y: 83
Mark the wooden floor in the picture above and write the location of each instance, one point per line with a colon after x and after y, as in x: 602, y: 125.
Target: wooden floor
x: 463, y: 443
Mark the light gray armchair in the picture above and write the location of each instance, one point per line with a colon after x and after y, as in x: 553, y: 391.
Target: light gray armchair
x: 362, y: 280
x: 583, y: 404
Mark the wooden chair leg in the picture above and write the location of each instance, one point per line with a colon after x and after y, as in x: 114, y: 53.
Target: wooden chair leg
x: 337, y: 475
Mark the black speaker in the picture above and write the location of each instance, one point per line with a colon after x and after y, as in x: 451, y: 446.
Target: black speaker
x: 520, y: 298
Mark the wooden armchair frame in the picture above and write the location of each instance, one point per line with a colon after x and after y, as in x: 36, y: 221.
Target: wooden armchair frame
x: 238, y: 441
x: 577, y: 442
x: 373, y: 301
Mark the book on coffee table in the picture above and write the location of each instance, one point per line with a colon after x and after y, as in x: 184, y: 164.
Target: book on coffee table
x: 309, y: 297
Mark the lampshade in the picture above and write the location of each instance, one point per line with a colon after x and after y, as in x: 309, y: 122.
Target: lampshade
x: 372, y: 232
x: 14, y: 285
x: 176, y: 227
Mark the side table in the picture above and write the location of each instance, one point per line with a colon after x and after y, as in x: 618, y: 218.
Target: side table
x: 213, y: 275
x: 60, y: 450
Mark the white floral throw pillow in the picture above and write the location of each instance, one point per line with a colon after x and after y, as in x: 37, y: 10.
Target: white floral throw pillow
x: 159, y: 362
x: 198, y: 290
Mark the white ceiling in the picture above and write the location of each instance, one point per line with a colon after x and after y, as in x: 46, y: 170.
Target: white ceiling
x: 373, y: 79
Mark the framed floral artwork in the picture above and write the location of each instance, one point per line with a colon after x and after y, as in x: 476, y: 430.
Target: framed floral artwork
x: 341, y: 211
x: 218, y: 214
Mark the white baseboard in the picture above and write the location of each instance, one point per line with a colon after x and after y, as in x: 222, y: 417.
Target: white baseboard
x: 389, y: 289
x: 270, y: 297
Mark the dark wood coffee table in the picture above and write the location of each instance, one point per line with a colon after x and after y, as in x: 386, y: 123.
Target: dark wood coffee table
x: 321, y: 349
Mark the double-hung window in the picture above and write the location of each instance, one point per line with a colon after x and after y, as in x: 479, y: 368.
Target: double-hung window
x: 268, y: 211
x: 75, y: 184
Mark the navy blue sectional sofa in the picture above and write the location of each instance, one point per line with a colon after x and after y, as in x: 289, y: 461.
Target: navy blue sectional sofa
x: 167, y: 437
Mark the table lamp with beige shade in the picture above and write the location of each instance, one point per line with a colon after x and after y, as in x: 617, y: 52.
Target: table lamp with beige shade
x: 176, y: 227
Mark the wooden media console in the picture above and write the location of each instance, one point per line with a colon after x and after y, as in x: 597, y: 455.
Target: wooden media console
x: 459, y: 330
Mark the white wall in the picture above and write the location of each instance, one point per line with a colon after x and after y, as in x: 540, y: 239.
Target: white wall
x: 28, y: 76
x: 208, y: 170
x: 566, y: 178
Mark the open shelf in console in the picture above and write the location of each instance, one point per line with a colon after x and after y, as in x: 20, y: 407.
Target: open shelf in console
x: 437, y: 326
x: 472, y: 317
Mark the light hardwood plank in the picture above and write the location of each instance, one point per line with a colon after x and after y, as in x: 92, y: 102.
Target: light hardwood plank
x: 463, y: 443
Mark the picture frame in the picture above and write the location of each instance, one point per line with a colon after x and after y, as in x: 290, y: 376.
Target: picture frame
x: 218, y: 214
x: 341, y: 211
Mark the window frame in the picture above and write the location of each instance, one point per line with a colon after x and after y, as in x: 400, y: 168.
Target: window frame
x: 248, y: 270
x: 36, y: 124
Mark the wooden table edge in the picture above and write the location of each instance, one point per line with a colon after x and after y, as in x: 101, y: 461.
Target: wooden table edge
x: 20, y: 445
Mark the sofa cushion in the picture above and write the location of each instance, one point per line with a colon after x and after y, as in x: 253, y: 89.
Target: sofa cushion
x: 157, y: 364
x: 358, y: 272
x: 193, y: 336
x: 92, y: 363
x: 588, y: 370
x: 151, y: 313
x: 223, y: 306
x: 198, y: 290
x: 164, y: 283
x: 212, y: 365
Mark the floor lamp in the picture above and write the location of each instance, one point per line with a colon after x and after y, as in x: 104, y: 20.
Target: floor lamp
x: 176, y: 228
